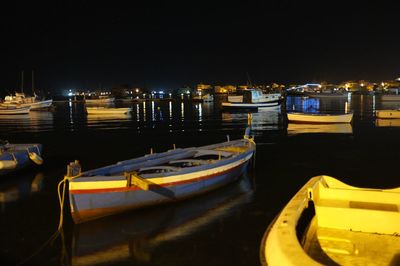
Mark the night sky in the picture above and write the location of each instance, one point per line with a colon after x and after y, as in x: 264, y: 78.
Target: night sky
x: 166, y: 44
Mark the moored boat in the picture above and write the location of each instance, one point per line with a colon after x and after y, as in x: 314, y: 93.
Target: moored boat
x: 349, y: 227
x: 16, y: 156
x: 252, y: 99
x: 104, y: 110
x: 156, y: 178
x: 319, y: 118
x: 6, y: 109
x: 22, y: 100
x: 388, y: 114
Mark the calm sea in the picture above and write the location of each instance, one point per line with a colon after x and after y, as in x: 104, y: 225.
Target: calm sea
x: 224, y: 227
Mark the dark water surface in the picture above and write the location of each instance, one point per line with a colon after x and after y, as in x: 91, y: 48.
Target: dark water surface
x: 224, y: 227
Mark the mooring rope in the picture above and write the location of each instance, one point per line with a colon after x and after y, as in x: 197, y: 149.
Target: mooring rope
x: 61, y: 188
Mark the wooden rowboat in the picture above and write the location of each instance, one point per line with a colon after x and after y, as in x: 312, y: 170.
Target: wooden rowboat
x: 104, y: 110
x: 16, y: 156
x: 388, y: 114
x: 156, y: 178
x: 351, y: 226
x: 319, y: 118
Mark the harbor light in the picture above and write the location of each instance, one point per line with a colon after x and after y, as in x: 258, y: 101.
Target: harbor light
x: 187, y: 92
x: 137, y: 90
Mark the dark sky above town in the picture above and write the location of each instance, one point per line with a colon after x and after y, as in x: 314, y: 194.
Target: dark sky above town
x: 163, y: 44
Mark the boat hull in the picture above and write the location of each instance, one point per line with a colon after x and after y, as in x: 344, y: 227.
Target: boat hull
x: 319, y: 119
x: 247, y: 106
x: 388, y: 114
x: 91, y: 198
x: 326, y: 95
x: 113, y: 111
x: 14, y: 111
x: 20, y: 154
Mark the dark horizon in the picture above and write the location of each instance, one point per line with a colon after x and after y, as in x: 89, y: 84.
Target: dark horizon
x: 166, y: 44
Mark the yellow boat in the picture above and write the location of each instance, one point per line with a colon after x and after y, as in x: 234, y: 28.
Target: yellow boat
x: 350, y: 226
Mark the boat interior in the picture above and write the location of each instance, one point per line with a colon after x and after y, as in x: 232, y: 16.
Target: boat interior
x: 350, y: 225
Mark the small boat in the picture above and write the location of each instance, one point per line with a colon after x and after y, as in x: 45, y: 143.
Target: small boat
x: 156, y: 178
x: 22, y: 100
x: 6, y: 109
x: 252, y: 99
x: 16, y: 156
x: 329, y: 222
x: 319, y: 118
x: 388, y: 114
x: 390, y: 97
x: 100, y: 99
x: 104, y: 110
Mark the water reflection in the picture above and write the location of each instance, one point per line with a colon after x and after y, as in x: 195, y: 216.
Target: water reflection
x: 387, y: 122
x: 108, y: 121
x: 133, y: 236
x: 32, y: 122
x: 296, y: 128
x: 14, y: 189
x: 268, y: 119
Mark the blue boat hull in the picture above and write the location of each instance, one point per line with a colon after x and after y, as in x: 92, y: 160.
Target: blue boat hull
x: 91, y: 204
x: 20, y: 154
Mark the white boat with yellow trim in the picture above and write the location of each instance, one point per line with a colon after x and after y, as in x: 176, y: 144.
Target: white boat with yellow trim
x: 388, y: 114
x: 350, y: 226
x: 156, y: 178
x: 319, y: 118
x: 108, y: 110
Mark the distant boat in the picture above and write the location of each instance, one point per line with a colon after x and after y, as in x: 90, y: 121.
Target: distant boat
x: 100, y: 99
x: 22, y: 100
x: 156, y: 178
x: 319, y: 118
x: 34, y: 102
x: 252, y: 99
x: 106, y: 110
x: 11, y: 109
x: 16, y: 156
x: 388, y: 114
x: 328, y: 222
x: 390, y: 97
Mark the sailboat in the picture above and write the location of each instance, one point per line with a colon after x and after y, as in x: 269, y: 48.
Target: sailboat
x: 22, y: 100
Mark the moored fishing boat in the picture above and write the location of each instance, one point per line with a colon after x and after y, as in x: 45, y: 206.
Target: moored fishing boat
x: 156, y: 178
x: 6, y: 109
x: 349, y: 227
x: 388, y: 114
x: 319, y: 118
x: 104, y: 110
x: 16, y: 156
x: 252, y: 99
x: 22, y: 100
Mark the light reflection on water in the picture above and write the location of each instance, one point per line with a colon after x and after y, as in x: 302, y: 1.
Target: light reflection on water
x: 133, y: 236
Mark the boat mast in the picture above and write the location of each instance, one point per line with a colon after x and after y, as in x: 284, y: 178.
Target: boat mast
x: 22, y: 81
x: 33, y: 84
